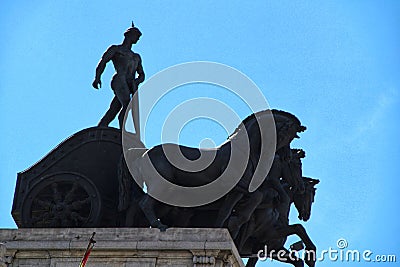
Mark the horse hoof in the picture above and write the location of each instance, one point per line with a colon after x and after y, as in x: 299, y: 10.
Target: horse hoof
x: 162, y: 227
x: 310, y: 263
x: 310, y: 255
x: 159, y: 225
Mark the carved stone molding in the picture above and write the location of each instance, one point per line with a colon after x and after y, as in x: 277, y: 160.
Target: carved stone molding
x: 4, y: 259
x: 115, y: 247
x: 203, y: 261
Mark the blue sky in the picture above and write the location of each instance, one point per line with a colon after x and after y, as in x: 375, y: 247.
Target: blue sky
x: 335, y: 64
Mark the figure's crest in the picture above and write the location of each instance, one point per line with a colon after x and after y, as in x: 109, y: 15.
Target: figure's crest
x: 133, y: 29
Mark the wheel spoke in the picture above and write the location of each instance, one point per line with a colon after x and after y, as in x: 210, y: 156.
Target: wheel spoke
x: 56, y: 194
x: 69, y: 197
x: 76, y: 217
x: 42, y: 203
x: 64, y: 201
x: 80, y: 203
x: 42, y: 217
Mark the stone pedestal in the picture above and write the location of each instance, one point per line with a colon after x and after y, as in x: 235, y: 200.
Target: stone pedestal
x: 126, y: 247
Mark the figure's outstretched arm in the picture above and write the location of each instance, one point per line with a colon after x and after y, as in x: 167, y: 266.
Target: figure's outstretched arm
x: 107, y: 56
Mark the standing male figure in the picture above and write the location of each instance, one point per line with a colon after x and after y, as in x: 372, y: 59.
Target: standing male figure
x: 124, y: 82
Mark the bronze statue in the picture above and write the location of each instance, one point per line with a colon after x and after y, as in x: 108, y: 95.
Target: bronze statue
x: 79, y: 193
x: 124, y: 82
x: 269, y: 224
x: 269, y: 228
x: 282, y: 171
x: 253, y: 219
x: 73, y: 187
x: 287, y: 125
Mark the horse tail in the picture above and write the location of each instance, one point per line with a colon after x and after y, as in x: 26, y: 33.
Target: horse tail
x: 124, y: 182
x: 128, y: 188
x: 137, y: 179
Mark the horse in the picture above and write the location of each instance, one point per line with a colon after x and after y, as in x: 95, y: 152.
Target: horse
x: 269, y: 229
x: 285, y: 167
x: 252, y: 135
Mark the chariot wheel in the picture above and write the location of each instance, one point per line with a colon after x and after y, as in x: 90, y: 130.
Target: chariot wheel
x: 62, y: 200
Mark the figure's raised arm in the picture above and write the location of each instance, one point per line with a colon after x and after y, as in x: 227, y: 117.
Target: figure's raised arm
x: 107, y: 56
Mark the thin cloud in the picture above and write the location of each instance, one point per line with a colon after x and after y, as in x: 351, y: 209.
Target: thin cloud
x: 372, y: 122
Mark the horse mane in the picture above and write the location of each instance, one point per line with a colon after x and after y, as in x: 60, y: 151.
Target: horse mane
x: 275, y: 112
x: 287, y: 115
x: 248, y: 119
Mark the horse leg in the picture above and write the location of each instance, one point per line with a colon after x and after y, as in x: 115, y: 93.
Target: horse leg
x: 244, y: 212
x: 251, y: 262
x: 285, y: 256
x: 227, y: 206
x: 246, y: 230
x: 181, y: 217
x: 130, y: 214
x: 147, y: 205
x: 284, y: 206
x: 299, y: 230
x: 282, y: 255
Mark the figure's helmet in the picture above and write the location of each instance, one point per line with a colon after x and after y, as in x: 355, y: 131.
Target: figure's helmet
x: 132, y: 30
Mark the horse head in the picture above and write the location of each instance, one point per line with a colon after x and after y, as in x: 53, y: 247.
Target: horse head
x: 303, y: 202
x: 296, y: 168
x: 267, y: 132
x: 287, y: 127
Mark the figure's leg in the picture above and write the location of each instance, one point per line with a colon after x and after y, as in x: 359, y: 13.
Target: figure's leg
x: 227, y: 206
x: 124, y: 99
x: 122, y: 92
x: 111, y: 113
